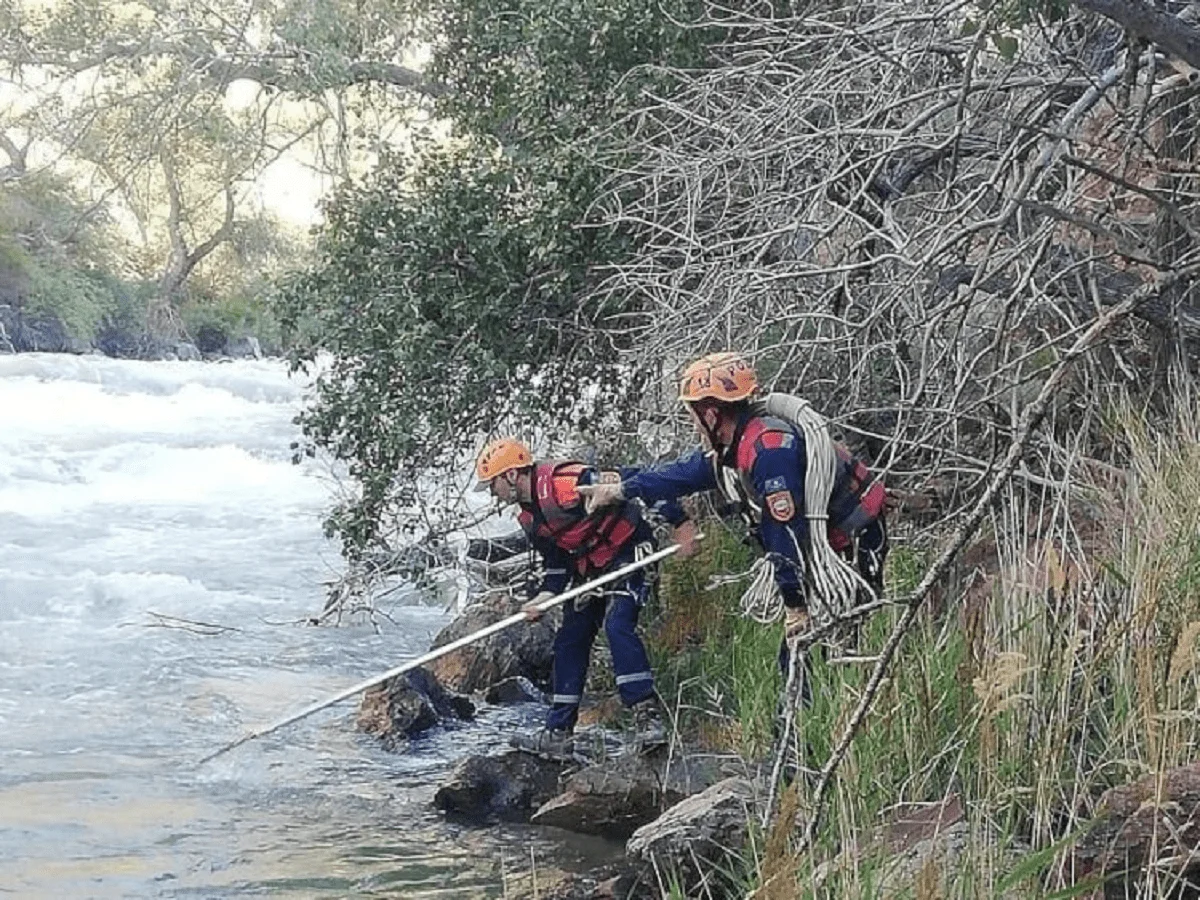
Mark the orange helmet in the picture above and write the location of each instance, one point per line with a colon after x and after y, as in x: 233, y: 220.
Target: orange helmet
x: 498, y: 457
x: 721, y: 376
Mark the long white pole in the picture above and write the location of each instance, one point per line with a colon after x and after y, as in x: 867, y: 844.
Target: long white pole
x: 438, y: 652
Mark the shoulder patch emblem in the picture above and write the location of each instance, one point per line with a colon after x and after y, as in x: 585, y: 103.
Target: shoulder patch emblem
x: 776, y: 440
x: 778, y: 483
x: 781, y: 505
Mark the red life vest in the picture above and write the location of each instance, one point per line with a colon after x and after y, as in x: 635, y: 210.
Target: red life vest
x: 556, y: 513
x: 855, y: 502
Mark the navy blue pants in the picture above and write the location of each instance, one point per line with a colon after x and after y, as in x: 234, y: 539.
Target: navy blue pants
x: 617, y: 609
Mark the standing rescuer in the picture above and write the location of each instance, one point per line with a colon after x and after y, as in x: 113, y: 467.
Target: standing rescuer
x: 577, y: 546
x: 772, y: 468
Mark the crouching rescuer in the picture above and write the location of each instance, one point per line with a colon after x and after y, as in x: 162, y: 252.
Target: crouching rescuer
x: 577, y: 546
x: 815, y: 510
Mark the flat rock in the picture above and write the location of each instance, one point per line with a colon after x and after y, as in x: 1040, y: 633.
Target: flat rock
x: 706, y: 826
x: 615, y: 797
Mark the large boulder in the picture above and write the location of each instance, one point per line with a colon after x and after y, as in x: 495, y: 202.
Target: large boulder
x: 1153, y: 821
x: 704, y: 828
x: 525, y: 649
x: 186, y: 352
x: 245, y: 347
x: 615, y: 797
x: 26, y: 332
x: 507, y: 786
x: 407, y: 705
x: 211, y: 339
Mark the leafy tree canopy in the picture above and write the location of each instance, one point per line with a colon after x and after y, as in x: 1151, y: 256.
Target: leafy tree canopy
x: 450, y: 284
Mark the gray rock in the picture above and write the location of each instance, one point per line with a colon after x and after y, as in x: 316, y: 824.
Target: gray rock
x: 517, y: 689
x: 704, y: 827
x: 187, y: 352
x: 1151, y: 822
x: 613, y: 882
x: 407, y: 705
x: 611, y: 799
x: 525, y: 650
x: 31, y: 332
x: 615, y: 796
x: 244, y: 348
x: 931, y: 859
x: 507, y: 786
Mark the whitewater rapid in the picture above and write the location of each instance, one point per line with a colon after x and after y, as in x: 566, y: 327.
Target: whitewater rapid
x: 160, y: 556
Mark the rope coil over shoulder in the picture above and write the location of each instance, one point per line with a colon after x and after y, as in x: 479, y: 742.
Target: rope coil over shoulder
x: 832, y: 582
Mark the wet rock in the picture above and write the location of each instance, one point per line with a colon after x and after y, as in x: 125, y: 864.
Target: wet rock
x: 187, y: 352
x: 211, y: 339
x: 1153, y: 821
x: 513, y: 690
x: 407, y: 705
x: 702, y: 828
x: 118, y: 342
x: 507, y: 786
x: 613, y: 798
x: 525, y: 649
x: 27, y: 332
x: 244, y: 348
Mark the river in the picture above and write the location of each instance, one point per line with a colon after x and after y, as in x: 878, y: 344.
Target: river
x: 159, y: 557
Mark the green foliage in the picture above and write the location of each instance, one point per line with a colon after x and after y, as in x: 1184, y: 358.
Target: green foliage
x: 56, y: 254
x: 451, y: 285
x: 82, y: 299
x: 720, y: 669
x: 534, y: 73
x: 443, y: 285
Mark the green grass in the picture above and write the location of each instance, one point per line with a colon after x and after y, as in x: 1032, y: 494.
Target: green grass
x: 1069, y: 667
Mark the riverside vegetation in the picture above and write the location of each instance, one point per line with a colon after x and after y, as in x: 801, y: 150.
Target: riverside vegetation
x: 967, y: 232
x: 1059, y: 661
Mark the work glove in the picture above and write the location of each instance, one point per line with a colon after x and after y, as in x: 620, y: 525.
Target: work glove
x: 532, y: 613
x: 598, y: 496
x: 796, y: 621
x: 686, y: 536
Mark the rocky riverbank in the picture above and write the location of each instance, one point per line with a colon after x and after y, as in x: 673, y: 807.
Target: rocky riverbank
x: 688, y: 815
x: 22, y: 332
x: 678, y: 809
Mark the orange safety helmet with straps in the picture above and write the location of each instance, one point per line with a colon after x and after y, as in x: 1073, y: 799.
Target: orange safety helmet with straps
x: 726, y: 377
x: 500, y: 456
x: 556, y: 513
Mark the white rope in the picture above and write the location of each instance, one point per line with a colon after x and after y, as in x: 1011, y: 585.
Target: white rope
x: 833, y: 582
x: 762, y: 601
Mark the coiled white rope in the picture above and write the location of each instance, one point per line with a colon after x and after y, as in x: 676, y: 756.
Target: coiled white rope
x: 832, y: 583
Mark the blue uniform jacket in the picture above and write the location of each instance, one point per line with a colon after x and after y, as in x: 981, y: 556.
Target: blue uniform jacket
x: 771, y: 453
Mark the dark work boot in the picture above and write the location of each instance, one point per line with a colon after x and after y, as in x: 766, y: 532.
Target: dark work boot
x: 550, y: 743
x: 649, y: 725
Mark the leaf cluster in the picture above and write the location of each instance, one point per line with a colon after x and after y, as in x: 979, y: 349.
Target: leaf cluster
x: 450, y: 285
